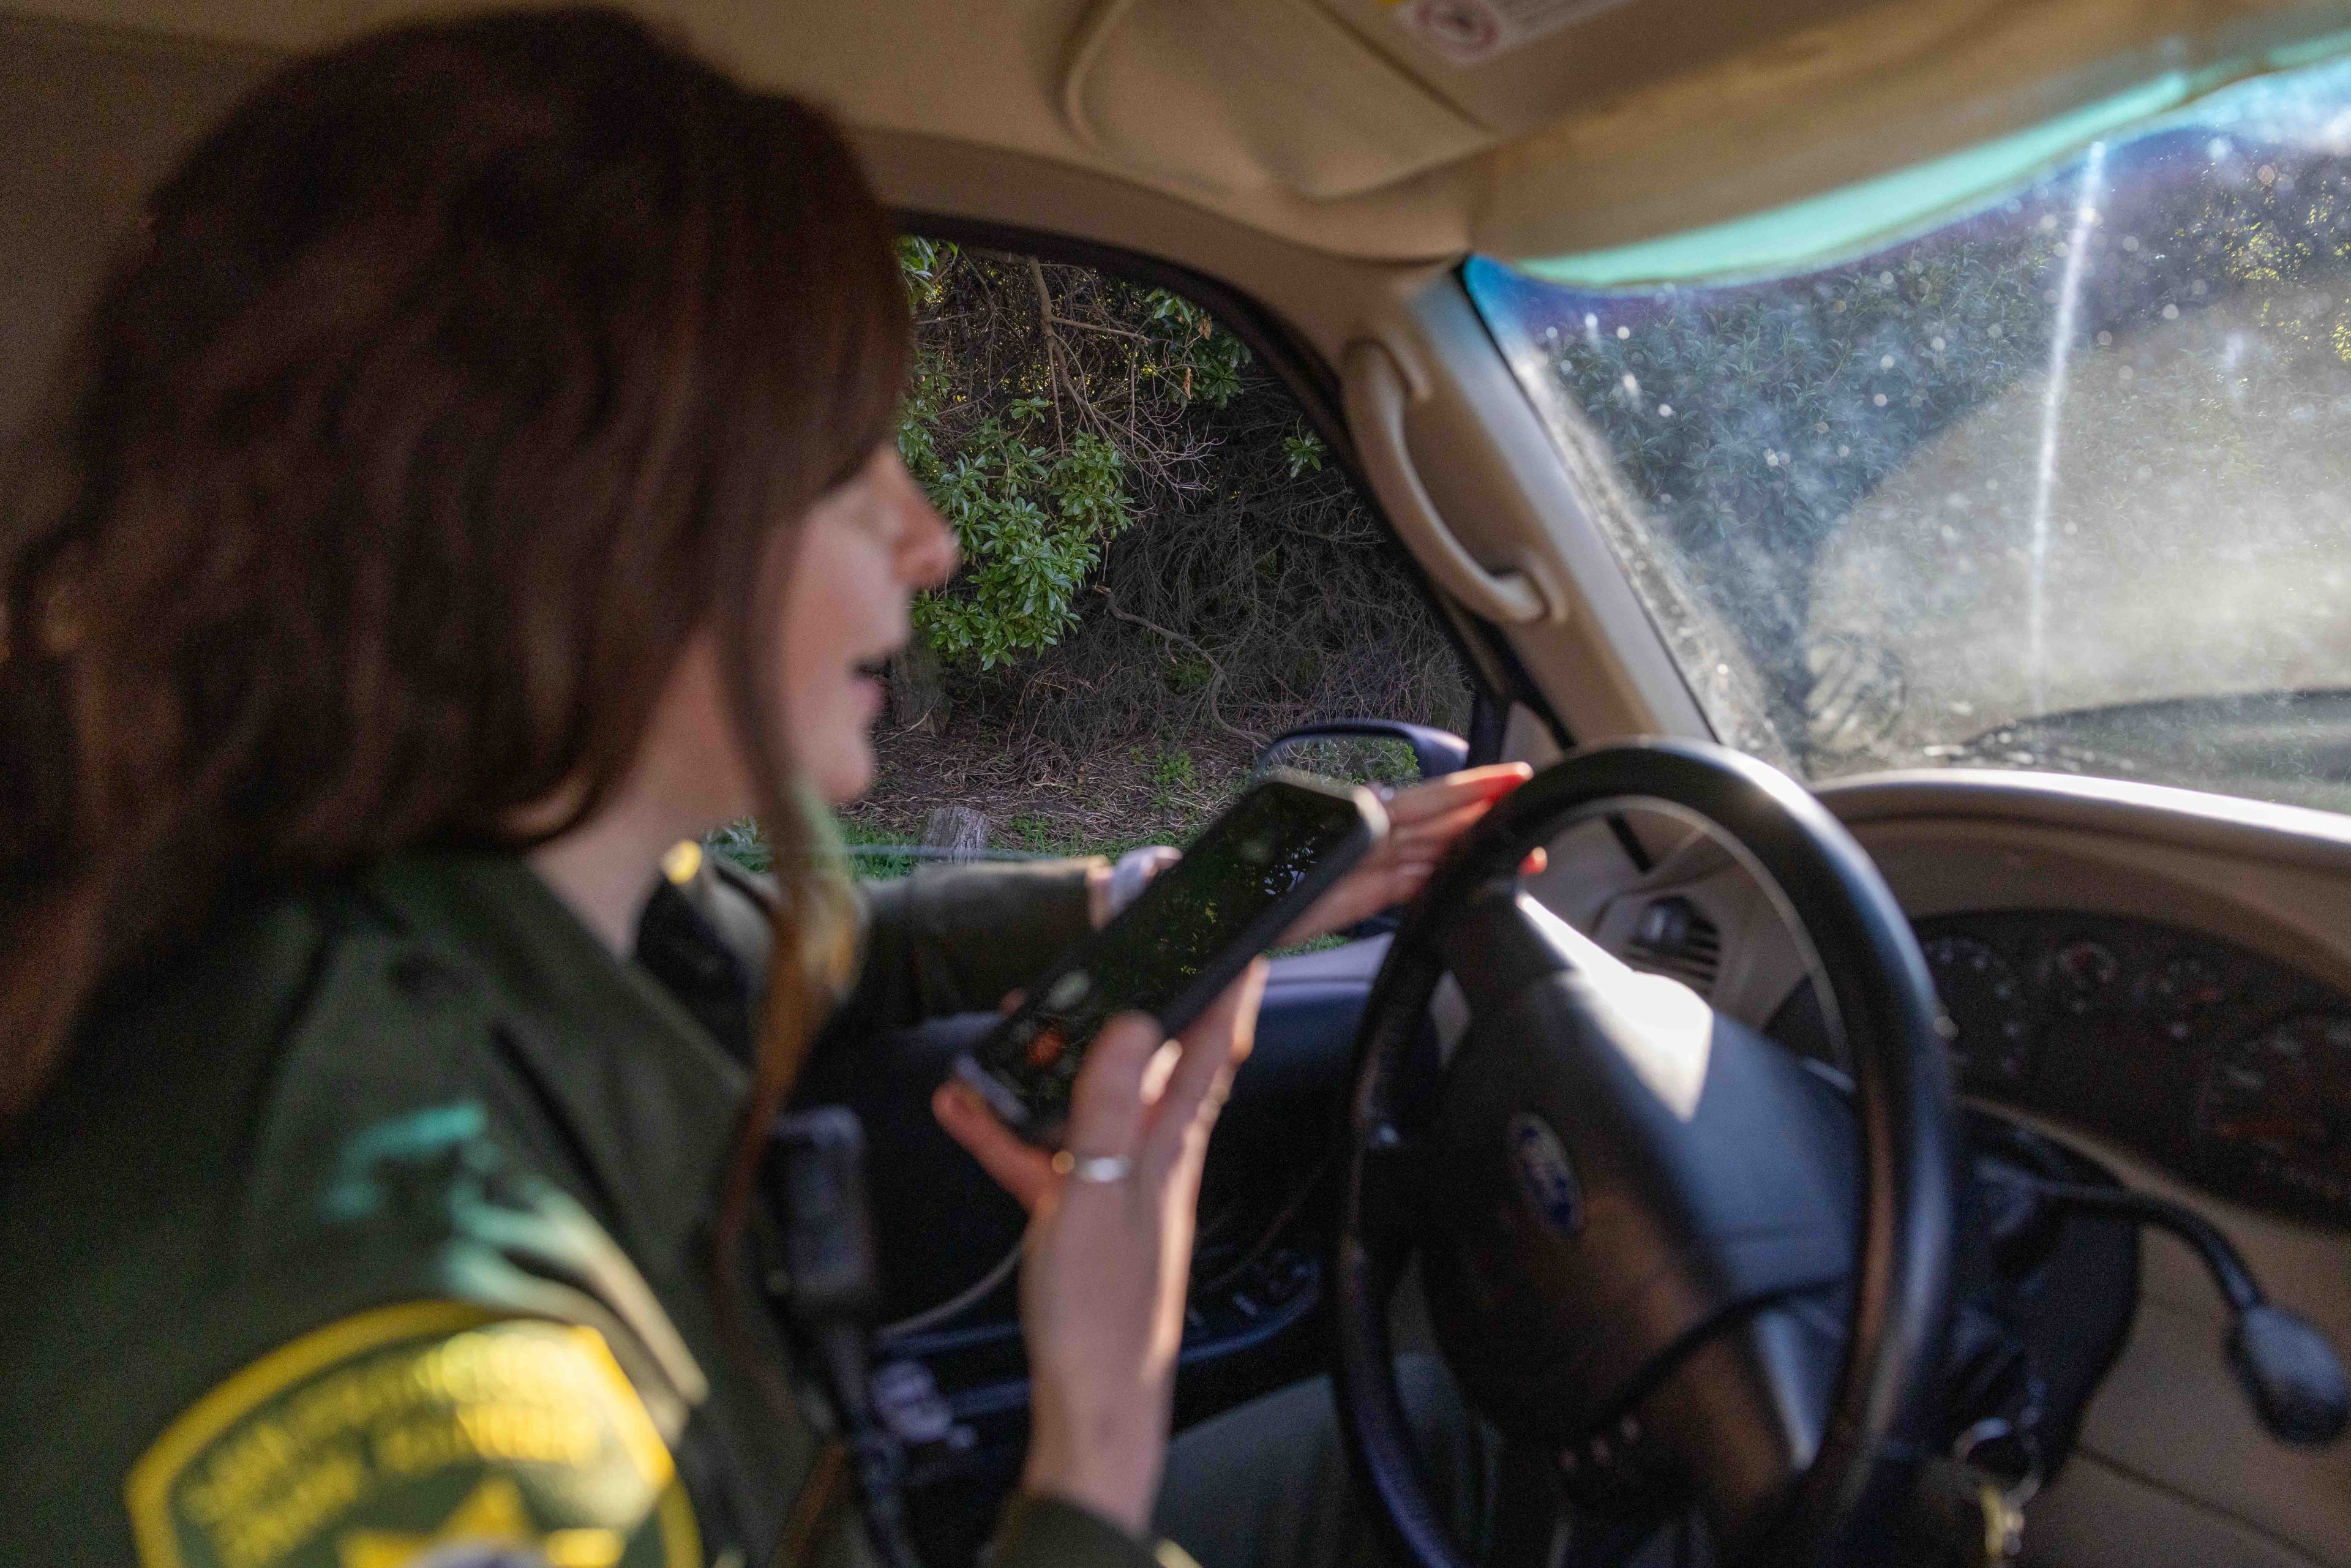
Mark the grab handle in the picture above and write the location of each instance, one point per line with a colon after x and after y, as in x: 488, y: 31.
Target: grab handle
x: 1374, y: 391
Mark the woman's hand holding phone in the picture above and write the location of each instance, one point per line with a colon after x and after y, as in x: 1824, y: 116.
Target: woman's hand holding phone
x: 1107, y: 1262
x: 1103, y: 1283
x: 1424, y: 821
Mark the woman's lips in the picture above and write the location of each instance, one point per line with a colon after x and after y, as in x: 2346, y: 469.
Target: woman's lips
x: 867, y: 676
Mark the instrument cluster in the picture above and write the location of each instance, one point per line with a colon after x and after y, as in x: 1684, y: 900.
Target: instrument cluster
x: 2228, y: 1069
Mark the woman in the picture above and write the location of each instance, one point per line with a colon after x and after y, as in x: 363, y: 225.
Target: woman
x: 475, y: 478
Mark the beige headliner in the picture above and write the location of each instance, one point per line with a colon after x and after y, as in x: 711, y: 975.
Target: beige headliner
x: 1329, y: 123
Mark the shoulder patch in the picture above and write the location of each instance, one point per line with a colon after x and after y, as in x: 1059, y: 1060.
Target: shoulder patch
x: 385, y: 1439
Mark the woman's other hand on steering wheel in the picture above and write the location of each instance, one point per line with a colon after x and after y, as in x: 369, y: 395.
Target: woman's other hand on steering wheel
x: 1424, y: 822
x: 1102, y: 1284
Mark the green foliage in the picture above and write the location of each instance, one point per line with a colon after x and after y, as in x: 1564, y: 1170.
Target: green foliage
x: 743, y: 843
x: 873, y: 855
x: 1153, y: 542
x: 921, y: 263
x: 1031, y: 467
x: 1305, y: 452
x: 1034, y: 833
x: 1173, y: 770
x: 876, y: 856
x: 1175, y: 784
x: 1033, y: 524
x: 1204, y: 363
x: 1356, y: 759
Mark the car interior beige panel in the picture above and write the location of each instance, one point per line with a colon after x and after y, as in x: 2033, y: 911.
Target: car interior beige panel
x: 892, y: 68
x: 1590, y: 868
x: 1761, y: 961
x: 1586, y: 863
x: 882, y: 64
x: 1214, y: 89
x: 1526, y: 739
x: 89, y: 118
x: 1497, y: 481
x: 1527, y: 592
x: 94, y: 115
x: 1800, y: 106
x: 2297, y: 918
x: 1594, y: 50
x: 1322, y: 297
x: 2172, y: 1414
x: 2096, y: 1516
x: 2275, y: 880
x: 2260, y: 830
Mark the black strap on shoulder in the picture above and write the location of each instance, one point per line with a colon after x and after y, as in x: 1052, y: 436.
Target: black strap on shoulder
x: 816, y: 1189
x: 680, y: 945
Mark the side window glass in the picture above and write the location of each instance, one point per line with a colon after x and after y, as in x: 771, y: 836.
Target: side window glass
x: 1164, y: 569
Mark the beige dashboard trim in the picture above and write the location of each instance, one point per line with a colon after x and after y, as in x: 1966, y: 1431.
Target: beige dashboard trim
x: 2272, y: 880
x: 2186, y: 819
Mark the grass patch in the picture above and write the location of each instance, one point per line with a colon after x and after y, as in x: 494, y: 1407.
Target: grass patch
x: 1313, y: 944
x: 878, y: 854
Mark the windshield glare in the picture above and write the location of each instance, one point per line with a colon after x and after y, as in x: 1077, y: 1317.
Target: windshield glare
x: 2064, y: 484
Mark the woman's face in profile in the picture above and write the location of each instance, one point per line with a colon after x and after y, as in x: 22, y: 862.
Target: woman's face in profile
x: 859, y: 557
x: 857, y: 560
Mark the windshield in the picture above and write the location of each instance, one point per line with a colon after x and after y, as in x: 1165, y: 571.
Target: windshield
x: 2064, y: 483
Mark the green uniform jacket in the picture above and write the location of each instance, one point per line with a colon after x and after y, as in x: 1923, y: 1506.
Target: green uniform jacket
x: 372, y: 1221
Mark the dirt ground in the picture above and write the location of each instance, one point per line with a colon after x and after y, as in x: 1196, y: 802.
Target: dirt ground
x: 1040, y: 799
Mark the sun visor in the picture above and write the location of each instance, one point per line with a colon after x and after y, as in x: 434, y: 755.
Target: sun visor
x: 1581, y: 134
x: 1862, y: 217
x: 1235, y: 95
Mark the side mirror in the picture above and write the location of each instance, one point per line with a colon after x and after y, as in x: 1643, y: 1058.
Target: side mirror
x: 1368, y: 751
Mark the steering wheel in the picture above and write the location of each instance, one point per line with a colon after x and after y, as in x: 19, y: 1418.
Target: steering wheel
x: 1673, y: 1266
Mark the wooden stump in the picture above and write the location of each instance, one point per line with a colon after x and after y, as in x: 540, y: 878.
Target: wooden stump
x: 917, y: 700
x: 958, y: 830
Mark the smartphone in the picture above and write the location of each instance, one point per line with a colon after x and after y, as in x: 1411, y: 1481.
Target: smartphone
x: 1240, y: 884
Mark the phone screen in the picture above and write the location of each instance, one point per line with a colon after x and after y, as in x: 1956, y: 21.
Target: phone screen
x: 1262, y: 854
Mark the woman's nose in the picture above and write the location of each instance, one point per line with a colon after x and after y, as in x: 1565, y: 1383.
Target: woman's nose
x: 928, y: 551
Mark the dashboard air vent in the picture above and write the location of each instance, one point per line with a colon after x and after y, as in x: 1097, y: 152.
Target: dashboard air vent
x: 1672, y: 938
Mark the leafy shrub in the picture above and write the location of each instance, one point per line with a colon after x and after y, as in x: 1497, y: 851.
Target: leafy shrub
x: 1154, y: 543
x: 1034, y: 491
x: 1032, y: 525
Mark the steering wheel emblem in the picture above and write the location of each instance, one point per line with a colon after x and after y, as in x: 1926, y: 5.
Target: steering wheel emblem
x: 1545, y: 1174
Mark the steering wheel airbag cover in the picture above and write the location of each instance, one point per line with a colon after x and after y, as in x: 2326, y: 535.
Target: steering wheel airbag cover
x: 1689, y: 1202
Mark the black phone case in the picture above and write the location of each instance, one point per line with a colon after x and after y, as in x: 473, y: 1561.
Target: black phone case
x: 1219, y: 972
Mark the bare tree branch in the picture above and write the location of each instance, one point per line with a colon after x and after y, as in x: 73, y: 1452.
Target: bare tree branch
x: 1216, y: 670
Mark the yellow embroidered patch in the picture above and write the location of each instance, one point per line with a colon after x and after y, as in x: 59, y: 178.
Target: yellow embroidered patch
x: 392, y: 1436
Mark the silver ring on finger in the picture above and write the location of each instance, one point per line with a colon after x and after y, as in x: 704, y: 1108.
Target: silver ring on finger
x: 1100, y: 1170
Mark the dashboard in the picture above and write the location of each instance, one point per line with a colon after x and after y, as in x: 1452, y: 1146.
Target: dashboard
x: 2155, y: 980
x: 2226, y: 1068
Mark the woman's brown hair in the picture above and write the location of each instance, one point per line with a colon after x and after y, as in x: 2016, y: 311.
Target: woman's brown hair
x: 450, y: 386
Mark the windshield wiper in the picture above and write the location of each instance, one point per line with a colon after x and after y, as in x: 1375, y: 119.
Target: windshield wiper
x: 2297, y: 741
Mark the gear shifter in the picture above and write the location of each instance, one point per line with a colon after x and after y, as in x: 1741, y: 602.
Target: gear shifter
x: 2291, y: 1373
